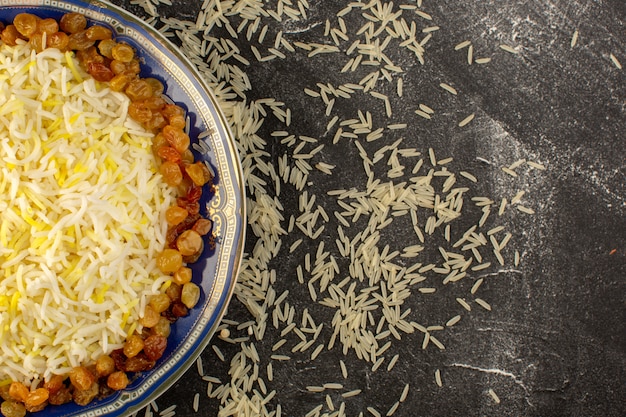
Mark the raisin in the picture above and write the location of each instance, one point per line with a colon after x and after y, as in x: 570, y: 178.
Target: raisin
x: 100, y: 72
x: 47, y: 26
x: 123, y: 52
x: 54, y: 383
x: 162, y: 328
x: 190, y: 294
x: 26, y: 24
x: 157, y: 86
x: 182, y: 276
x: 119, y: 81
x: 169, y: 261
x: 179, y: 309
x: 98, y: 33
x: 173, y: 232
x: 117, y: 380
x: 202, y: 226
x: 178, y: 139
x: 193, y: 194
x: 73, y: 22
x: 138, y: 89
x: 160, y: 302
x: 187, y: 156
x: 18, y: 391
x: 85, y: 396
x: 172, y: 175
x: 133, y: 346
x: 58, y: 40
x: 154, y: 346
x: 174, y: 291
x: 105, y: 47
x: 138, y: 363
x: 139, y: 111
x: 10, y: 35
x: 174, y: 215
x: 175, y: 116
x: 104, y: 365
x: 81, y: 378
x: 150, y: 317
x: 157, y: 122
x: 168, y: 153
x: 62, y: 396
x: 12, y: 409
x: 36, y: 42
x: 189, y: 243
x: 4, y: 393
x: 78, y: 41
x: 36, y: 398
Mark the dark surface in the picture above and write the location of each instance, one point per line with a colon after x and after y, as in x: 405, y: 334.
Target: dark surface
x: 554, y: 343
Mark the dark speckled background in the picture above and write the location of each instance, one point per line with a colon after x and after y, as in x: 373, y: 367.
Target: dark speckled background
x: 554, y: 343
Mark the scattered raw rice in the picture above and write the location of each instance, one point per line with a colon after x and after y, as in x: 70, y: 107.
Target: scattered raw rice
x: 448, y: 88
x: 438, y: 378
x: 509, y: 48
x: 616, y: 62
x: 494, y: 396
x: 574, y: 39
x: 466, y: 120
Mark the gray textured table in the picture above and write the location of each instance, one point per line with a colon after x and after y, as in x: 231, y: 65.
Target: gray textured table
x: 554, y: 342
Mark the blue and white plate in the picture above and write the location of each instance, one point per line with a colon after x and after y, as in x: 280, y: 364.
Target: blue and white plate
x: 216, y: 271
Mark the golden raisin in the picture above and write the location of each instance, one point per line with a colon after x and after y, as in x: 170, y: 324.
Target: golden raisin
x: 160, y: 302
x: 54, y: 383
x: 175, y: 116
x: 82, y: 378
x: 36, y: 398
x: 18, y: 391
x: 105, y: 47
x: 117, y: 380
x: 199, y: 173
x: 190, y: 295
x: 123, y: 52
x: 177, y: 139
x: 133, y: 346
x: 12, y: 409
x: 157, y: 86
x: 157, y: 122
x: 139, y: 111
x: 168, y: 153
x: 10, y: 35
x: 172, y: 175
x: 150, y: 317
x: 98, y: 33
x: 175, y: 214
x: 36, y: 42
x: 189, y: 243
x: 187, y: 156
x: 62, y: 396
x: 26, y: 24
x: 104, y: 365
x: 84, y: 397
x: 58, y: 40
x: 73, y: 22
x: 182, y: 276
x: 120, y: 81
x: 162, y: 328
x: 47, y: 26
x: 202, y: 226
x: 78, y: 41
x: 138, y: 89
x: 169, y: 261
x: 174, y: 291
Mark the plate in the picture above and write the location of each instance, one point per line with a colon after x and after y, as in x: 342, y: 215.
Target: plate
x: 217, y: 269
